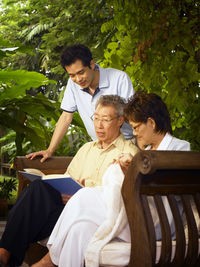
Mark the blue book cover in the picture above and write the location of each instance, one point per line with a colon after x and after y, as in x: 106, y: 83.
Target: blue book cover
x: 65, y: 185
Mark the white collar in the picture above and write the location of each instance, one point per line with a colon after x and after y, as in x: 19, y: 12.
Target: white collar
x: 164, y: 143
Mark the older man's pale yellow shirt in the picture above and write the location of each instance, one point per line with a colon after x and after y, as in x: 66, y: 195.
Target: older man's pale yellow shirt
x: 90, y: 162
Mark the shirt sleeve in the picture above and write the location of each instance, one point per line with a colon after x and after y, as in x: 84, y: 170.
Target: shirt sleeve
x: 183, y: 145
x: 69, y: 101
x: 125, y: 86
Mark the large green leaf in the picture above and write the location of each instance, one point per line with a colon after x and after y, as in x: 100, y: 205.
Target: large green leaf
x: 23, y: 77
x: 16, y: 83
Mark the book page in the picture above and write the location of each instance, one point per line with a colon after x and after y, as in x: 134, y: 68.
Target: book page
x: 34, y: 171
x: 54, y: 176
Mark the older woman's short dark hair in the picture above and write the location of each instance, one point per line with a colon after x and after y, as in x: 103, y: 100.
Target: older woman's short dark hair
x: 142, y: 106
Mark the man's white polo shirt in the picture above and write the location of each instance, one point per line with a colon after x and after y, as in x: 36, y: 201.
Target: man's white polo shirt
x: 111, y: 82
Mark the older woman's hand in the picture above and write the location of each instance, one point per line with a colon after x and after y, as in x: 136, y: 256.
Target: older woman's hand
x: 124, y: 160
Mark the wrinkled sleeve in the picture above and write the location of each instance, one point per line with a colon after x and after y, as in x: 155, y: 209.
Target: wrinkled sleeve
x: 69, y: 101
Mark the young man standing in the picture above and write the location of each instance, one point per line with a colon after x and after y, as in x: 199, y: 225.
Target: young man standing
x: 87, y: 82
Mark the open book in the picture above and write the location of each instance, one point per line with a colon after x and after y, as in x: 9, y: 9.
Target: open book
x: 61, y: 182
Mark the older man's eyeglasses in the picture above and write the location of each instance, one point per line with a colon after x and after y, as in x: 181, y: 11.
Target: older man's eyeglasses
x: 102, y: 120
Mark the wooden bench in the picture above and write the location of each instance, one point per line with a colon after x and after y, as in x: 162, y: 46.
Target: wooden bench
x: 156, y: 174
x: 163, y: 173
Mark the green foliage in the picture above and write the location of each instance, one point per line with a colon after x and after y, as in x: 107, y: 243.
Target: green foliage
x: 14, y: 83
x: 158, y: 45
x: 21, y: 112
x: 49, y: 25
x: 156, y: 42
x: 28, y: 117
x: 75, y: 138
x: 7, y: 186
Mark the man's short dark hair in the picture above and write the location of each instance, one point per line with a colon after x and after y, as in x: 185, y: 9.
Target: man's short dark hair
x: 76, y: 52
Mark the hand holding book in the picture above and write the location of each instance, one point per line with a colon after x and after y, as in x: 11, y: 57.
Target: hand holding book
x: 61, y: 182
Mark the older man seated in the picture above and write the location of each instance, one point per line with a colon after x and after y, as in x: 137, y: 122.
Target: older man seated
x: 36, y: 211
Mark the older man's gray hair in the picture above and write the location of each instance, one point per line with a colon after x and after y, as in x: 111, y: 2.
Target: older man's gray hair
x: 112, y: 100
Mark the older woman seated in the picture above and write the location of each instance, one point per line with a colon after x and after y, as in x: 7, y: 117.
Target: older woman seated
x: 150, y: 120
x: 149, y: 117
